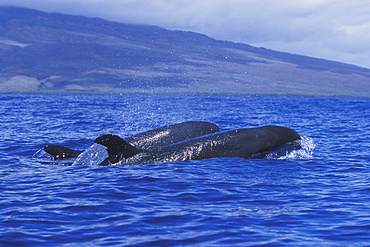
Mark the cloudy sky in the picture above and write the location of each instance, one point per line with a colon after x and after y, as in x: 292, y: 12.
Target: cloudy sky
x: 332, y: 29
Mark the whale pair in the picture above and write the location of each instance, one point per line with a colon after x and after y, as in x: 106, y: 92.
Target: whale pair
x: 243, y: 143
x: 152, y: 139
x: 189, y: 141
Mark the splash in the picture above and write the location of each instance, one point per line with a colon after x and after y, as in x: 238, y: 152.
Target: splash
x: 41, y: 154
x: 306, y: 144
x: 94, y: 155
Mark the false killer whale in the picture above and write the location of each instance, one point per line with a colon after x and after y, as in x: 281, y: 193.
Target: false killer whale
x: 152, y: 139
x: 243, y: 143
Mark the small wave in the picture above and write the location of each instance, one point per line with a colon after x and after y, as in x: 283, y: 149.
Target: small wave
x: 306, y: 144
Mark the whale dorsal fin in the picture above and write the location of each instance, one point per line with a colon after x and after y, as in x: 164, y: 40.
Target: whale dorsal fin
x: 117, y: 148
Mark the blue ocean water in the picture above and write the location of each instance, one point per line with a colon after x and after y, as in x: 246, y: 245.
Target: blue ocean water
x: 318, y: 197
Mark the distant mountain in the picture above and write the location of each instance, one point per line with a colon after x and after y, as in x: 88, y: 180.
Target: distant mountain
x: 55, y: 53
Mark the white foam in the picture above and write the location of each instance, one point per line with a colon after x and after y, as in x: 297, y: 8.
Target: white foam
x: 305, y: 152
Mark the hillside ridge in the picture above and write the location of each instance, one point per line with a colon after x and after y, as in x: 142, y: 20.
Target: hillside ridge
x: 57, y: 53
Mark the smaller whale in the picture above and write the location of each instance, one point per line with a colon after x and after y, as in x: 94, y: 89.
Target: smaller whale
x: 156, y: 138
x: 59, y: 152
x: 243, y: 143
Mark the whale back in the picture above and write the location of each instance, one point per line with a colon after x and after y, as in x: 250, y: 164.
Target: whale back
x: 167, y: 135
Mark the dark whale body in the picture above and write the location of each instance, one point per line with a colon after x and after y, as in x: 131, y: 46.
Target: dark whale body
x: 243, y: 143
x: 167, y: 135
x: 151, y: 139
x: 59, y: 152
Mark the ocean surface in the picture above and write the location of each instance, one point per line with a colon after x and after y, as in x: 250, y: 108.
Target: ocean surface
x: 319, y: 195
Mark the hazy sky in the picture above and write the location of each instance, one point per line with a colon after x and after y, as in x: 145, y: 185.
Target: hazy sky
x: 332, y: 29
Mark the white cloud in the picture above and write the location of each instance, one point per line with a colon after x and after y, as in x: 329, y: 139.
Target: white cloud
x: 333, y: 29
